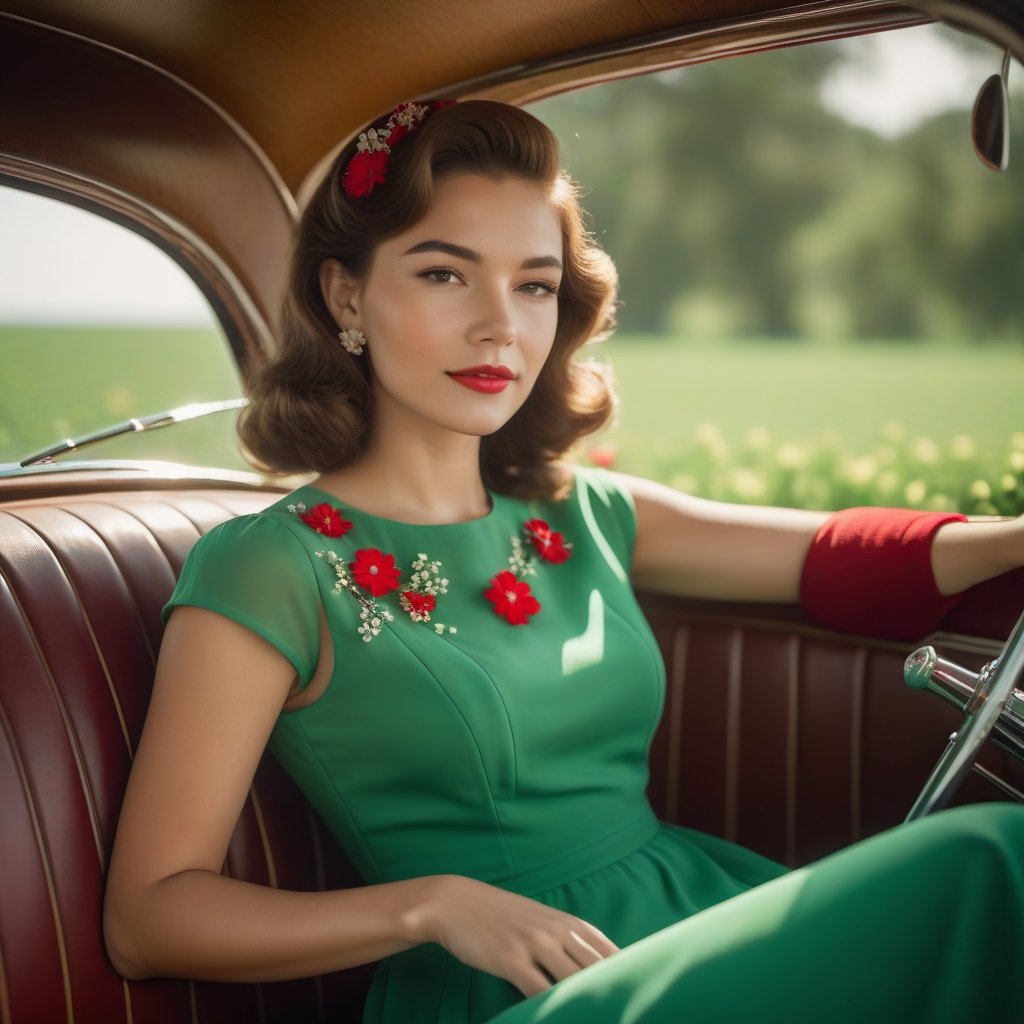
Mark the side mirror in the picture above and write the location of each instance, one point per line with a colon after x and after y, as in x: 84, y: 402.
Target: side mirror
x: 990, y: 120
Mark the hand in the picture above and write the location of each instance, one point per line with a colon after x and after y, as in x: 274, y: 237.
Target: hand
x: 510, y: 936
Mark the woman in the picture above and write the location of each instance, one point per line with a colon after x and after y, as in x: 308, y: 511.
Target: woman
x: 439, y: 639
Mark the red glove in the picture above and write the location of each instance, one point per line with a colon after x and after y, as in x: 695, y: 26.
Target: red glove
x: 869, y: 571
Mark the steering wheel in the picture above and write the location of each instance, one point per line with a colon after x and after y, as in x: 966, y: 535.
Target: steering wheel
x: 991, y: 702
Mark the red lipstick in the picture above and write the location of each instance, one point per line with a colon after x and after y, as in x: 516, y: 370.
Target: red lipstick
x: 488, y: 380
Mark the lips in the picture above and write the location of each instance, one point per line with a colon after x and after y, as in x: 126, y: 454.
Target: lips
x: 486, y: 379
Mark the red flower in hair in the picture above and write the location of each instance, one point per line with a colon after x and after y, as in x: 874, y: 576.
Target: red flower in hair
x: 365, y: 171
x: 375, y: 571
x: 327, y: 520
x: 398, y: 133
x: 550, y: 544
x: 512, y: 598
x: 419, y: 606
x: 368, y: 168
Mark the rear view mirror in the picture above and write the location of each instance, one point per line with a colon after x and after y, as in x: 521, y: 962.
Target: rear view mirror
x: 990, y: 120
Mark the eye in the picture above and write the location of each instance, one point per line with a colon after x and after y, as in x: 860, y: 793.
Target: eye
x: 440, y: 275
x: 539, y: 288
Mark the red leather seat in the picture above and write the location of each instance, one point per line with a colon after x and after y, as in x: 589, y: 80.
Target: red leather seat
x: 780, y: 735
x: 82, y: 582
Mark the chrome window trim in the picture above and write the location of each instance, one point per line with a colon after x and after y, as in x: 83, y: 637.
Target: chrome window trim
x: 247, y: 331
x: 732, y: 37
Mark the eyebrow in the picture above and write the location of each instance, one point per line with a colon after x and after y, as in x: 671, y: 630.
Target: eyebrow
x: 472, y: 256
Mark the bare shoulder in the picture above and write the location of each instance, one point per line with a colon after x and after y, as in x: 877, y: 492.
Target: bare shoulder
x: 653, y: 499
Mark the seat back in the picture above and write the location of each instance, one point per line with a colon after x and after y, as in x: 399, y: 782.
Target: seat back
x: 795, y: 740
x: 82, y: 582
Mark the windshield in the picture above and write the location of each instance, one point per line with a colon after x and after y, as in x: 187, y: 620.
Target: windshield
x: 98, y: 326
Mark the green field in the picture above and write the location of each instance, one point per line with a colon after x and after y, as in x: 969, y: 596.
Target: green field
x: 922, y: 424
x: 825, y: 426
x: 57, y: 382
x: 796, y: 390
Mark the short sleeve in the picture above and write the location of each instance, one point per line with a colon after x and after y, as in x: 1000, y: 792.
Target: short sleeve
x: 256, y: 572
x: 608, y: 509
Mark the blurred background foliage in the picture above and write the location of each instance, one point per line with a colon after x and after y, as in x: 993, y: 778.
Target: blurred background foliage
x: 736, y: 203
x: 823, y: 473
x: 813, y: 313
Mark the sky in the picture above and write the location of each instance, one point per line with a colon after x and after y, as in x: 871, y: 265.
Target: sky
x: 60, y: 264
x: 891, y: 81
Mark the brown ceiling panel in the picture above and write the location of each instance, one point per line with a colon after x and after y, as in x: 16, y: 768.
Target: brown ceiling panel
x: 671, y: 13
x: 299, y: 76
x: 121, y: 127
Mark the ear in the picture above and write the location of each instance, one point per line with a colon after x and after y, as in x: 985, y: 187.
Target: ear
x: 341, y: 292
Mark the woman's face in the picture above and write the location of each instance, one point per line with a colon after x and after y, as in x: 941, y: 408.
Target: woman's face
x: 460, y: 310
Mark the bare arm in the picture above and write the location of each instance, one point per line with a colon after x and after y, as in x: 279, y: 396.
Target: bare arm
x: 967, y: 553
x: 698, y: 548
x: 218, y: 690
x: 169, y: 911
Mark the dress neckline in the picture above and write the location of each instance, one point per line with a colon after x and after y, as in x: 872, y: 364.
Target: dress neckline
x: 354, y: 512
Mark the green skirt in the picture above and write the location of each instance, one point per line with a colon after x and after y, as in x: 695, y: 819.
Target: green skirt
x: 924, y: 923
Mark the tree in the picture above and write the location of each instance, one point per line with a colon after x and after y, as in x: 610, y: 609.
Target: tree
x: 730, y: 196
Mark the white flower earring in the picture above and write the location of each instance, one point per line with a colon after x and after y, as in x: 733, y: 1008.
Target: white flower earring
x: 353, y: 340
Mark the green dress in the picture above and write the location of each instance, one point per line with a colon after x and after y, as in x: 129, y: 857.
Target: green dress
x: 464, y: 731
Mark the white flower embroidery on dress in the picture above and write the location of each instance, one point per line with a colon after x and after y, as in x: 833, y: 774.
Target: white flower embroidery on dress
x: 372, y: 617
x: 425, y: 584
x: 520, y: 562
x: 373, y: 575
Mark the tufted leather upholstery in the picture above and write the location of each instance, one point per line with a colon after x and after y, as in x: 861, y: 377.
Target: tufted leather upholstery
x: 782, y: 736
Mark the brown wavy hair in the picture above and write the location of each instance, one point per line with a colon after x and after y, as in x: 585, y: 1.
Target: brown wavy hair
x: 310, y: 408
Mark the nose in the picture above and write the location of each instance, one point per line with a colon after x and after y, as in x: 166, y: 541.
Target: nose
x: 494, y: 320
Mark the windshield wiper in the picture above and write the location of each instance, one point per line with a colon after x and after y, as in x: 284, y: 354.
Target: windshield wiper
x: 132, y: 426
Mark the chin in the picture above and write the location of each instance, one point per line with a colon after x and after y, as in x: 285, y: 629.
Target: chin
x: 481, y: 424
x: 481, y: 429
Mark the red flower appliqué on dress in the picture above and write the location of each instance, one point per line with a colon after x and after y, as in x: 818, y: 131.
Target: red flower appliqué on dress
x: 375, y: 571
x: 550, y: 544
x: 327, y: 520
x: 509, y: 592
x: 512, y: 598
x: 419, y: 606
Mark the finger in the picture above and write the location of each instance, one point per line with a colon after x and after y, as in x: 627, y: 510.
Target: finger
x: 583, y: 952
x: 598, y: 940
x: 529, y: 979
x: 559, y: 964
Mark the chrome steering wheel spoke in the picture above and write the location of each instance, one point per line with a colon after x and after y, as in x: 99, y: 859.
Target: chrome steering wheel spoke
x: 991, y: 702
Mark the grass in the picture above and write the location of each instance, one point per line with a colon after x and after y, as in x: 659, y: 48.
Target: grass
x: 784, y: 422
x: 57, y: 382
x: 796, y: 390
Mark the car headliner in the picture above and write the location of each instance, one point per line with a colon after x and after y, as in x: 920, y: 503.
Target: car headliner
x: 203, y: 123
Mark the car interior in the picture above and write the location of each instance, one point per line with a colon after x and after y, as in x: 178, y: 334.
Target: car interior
x: 203, y: 127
